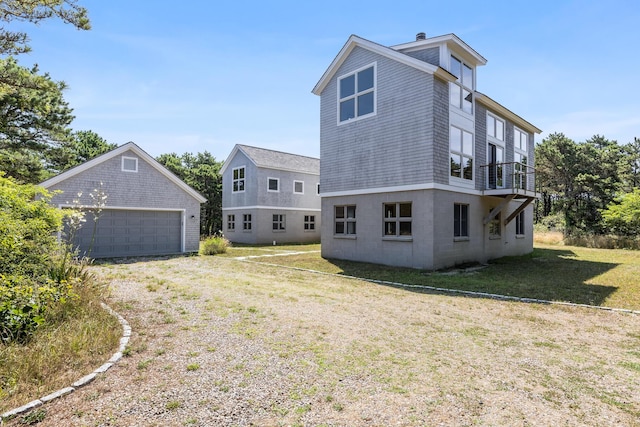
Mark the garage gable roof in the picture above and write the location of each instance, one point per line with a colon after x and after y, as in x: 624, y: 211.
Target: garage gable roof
x: 115, y: 152
x: 271, y: 159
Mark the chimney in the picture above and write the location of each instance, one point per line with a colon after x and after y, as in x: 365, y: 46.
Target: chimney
x: 421, y: 36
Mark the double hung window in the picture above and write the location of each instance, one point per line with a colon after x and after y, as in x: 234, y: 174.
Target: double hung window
x: 231, y: 222
x: 309, y: 222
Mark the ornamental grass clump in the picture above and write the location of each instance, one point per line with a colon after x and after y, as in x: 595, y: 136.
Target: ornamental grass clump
x: 213, y: 245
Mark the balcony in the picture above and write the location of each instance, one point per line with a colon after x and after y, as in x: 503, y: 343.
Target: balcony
x: 510, y: 180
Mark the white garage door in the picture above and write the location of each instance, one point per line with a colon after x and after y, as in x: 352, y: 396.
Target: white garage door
x: 121, y: 233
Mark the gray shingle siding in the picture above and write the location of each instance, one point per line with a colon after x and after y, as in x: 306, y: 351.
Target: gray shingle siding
x: 147, y: 189
x: 372, y: 152
x: 430, y: 55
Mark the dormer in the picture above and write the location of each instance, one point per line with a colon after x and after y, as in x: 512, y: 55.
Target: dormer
x: 454, y: 55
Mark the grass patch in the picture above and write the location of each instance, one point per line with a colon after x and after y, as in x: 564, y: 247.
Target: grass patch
x: 59, y: 353
x: 570, y: 274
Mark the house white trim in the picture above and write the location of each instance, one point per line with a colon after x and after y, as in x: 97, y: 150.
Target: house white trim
x: 276, y: 208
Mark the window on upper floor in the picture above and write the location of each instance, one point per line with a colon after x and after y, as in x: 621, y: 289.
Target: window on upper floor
x: 357, y: 94
x: 397, y: 219
x: 129, y: 164
x: 273, y: 185
x: 298, y: 187
x: 495, y: 127
x: 238, y: 180
x: 345, y: 220
x: 520, y: 157
x: 461, y: 153
x: 461, y: 91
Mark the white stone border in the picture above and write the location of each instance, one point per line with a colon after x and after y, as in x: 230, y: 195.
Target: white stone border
x: 449, y: 291
x: 126, y: 334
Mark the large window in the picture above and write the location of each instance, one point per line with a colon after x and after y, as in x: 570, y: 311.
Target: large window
x: 238, y: 180
x: 460, y: 220
x: 495, y: 127
x: 461, y: 146
x: 397, y: 219
x: 345, y: 220
x: 246, y: 222
x: 520, y: 144
x: 356, y: 94
x: 461, y: 91
x: 231, y: 222
x: 309, y: 223
x: 520, y: 224
x: 279, y: 222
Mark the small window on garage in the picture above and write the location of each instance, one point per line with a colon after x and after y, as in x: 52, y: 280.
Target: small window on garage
x: 129, y: 164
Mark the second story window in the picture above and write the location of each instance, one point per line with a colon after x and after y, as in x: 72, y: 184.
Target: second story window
x: 238, y: 180
x: 356, y: 94
x: 461, y: 148
x: 461, y: 91
x: 495, y: 127
x: 298, y: 187
x: 520, y: 144
x: 273, y: 185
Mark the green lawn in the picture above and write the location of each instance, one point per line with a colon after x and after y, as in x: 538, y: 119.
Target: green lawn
x: 603, y: 277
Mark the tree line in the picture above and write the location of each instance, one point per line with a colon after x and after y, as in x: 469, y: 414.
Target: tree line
x: 588, y: 187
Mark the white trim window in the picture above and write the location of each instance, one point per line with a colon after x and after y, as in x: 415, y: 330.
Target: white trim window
x: 298, y: 187
x: 231, y: 222
x: 520, y: 224
x: 129, y: 164
x: 357, y: 94
x: 461, y: 91
x: 279, y: 223
x: 461, y: 153
x: 309, y: 223
x: 520, y: 157
x: 397, y: 219
x: 273, y: 185
x: 246, y: 222
x: 238, y: 179
x: 460, y: 220
x: 318, y: 189
x: 345, y: 220
x: 495, y: 127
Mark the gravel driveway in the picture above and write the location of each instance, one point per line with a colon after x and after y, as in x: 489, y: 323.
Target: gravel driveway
x: 222, y: 342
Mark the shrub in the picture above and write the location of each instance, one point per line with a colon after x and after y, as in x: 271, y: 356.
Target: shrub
x: 214, y: 245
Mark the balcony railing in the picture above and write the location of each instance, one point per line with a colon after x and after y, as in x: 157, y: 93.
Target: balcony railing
x: 509, y: 178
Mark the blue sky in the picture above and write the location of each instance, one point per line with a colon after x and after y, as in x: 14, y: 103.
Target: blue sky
x: 204, y: 75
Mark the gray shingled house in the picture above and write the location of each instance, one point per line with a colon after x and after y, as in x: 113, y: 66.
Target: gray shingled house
x: 417, y: 168
x: 147, y: 211
x: 270, y: 197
